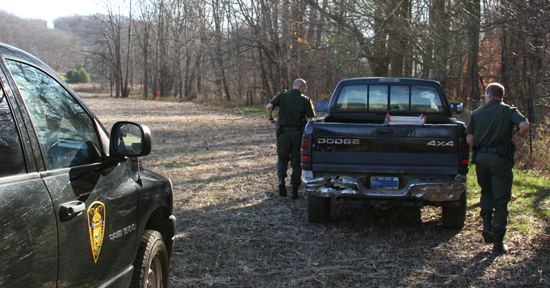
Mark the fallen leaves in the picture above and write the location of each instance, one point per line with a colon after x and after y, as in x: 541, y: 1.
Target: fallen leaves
x: 235, y: 231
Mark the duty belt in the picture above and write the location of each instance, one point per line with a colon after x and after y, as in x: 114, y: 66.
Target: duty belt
x: 504, y: 150
x: 488, y: 149
x: 291, y: 128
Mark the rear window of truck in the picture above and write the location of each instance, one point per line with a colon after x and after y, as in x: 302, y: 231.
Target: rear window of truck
x: 390, y: 98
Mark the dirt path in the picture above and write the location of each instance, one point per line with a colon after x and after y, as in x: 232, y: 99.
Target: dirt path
x: 234, y: 230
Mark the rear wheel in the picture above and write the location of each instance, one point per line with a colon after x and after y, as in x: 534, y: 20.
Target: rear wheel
x: 151, y: 265
x: 454, y: 216
x: 318, y: 209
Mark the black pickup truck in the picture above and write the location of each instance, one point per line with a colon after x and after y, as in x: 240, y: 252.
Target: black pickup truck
x: 386, y: 142
x: 77, y: 209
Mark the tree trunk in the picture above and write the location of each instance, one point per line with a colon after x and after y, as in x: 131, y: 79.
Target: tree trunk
x: 216, y: 11
x: 473, y: 8
x: 126, y: 90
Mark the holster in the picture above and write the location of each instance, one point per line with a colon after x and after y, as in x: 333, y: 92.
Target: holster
x: 278, y: 130
x: 507, y: 150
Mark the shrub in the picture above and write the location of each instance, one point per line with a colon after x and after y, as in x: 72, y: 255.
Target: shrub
x: 77, y: 75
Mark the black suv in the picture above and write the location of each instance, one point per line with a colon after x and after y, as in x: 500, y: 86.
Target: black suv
x: 75, y: 207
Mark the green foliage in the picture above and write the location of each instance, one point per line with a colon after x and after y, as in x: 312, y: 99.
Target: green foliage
x: 257, y: 112
x: 253, y: 111
x: 77, y: 75
x: 530, y: 204
x: 531, y: 201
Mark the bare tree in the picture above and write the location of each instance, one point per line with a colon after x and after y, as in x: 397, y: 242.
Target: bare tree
x: 111, y: 45
x: 57, y: 48
x: 223, y: 50
x: 144, y: 29
x: 473, y: 10
x: 217, y: 14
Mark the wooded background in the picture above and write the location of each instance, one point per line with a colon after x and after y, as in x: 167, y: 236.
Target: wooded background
x: 246, y: 51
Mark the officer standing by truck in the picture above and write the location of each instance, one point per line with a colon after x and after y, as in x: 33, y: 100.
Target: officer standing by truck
x: 294, y: 110
x: 489, y: 133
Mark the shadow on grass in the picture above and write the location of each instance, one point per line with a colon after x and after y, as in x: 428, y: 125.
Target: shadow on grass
x: 538, y: 265
x: 271, y: 244
x: 265, y: 240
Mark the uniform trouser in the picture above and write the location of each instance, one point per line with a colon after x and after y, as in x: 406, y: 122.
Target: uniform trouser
x: 288, y: 149
x: 495, y: 176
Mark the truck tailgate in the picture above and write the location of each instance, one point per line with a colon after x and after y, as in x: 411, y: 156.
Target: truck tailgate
x: 366, y: 148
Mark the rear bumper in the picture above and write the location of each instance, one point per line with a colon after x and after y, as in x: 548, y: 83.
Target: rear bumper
x: 433, y: 189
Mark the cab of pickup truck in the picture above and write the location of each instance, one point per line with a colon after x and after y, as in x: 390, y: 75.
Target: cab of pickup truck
x: 368, y: 99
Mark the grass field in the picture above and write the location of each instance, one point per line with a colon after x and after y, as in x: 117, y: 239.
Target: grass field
x: 235, y: 231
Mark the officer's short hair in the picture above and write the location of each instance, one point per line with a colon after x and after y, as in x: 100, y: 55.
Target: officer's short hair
x: 496, y: 89
x: 299, y: 82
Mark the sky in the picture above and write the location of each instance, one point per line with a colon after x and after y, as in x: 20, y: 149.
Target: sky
x: 49, y: 10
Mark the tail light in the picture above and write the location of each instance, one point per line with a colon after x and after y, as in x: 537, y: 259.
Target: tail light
x: 306, y: 153
x: 305, y: 149
x: 465, y: 153
x: 305, y: 144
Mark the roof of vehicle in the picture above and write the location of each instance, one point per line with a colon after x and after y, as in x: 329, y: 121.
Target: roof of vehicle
x: 387, y: 80
x: 10, y: 52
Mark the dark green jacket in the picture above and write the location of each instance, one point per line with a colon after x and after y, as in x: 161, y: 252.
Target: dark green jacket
x: 294, y: 108
x: 493, y: 123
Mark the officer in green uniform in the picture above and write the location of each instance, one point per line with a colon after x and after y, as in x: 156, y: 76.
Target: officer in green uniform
x: 294, y: 111
x: 489, y: 133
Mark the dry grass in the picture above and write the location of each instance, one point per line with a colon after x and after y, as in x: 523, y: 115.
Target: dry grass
x: 234, y: 230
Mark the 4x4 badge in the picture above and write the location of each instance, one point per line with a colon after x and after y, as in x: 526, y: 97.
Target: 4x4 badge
x: 96, y: 225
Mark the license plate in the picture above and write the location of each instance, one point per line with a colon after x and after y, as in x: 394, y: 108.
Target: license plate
x: 384, y: 182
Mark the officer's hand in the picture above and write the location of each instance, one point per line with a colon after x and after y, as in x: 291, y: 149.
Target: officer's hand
x: 518, y: 141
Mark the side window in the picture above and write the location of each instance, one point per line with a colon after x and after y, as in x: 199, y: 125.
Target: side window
x: 11, y: 154
x: 66, y: 132
x: 425, y: 99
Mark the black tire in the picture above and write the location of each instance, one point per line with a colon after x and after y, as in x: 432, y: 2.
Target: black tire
x: 318, y: 209
x: 454, y: 217
x: 151, y: 266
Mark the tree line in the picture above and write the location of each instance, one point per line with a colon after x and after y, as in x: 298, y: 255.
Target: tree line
x: 249, y: 50
x: 57, y: 48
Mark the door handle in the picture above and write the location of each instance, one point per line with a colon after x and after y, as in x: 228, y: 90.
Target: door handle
x: 71, y: 209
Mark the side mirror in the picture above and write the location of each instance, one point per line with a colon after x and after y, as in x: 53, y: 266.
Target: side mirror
x: 457, y: 108
x: 130, y: 139
x: 321, y: 106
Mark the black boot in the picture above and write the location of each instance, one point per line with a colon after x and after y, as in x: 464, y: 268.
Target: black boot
x: 295, y: 192
x: 282, y: 187
x: 488, y: 229
x: 499, y: 248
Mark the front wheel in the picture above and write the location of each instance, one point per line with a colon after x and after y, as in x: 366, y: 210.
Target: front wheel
x: 151, y: 265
